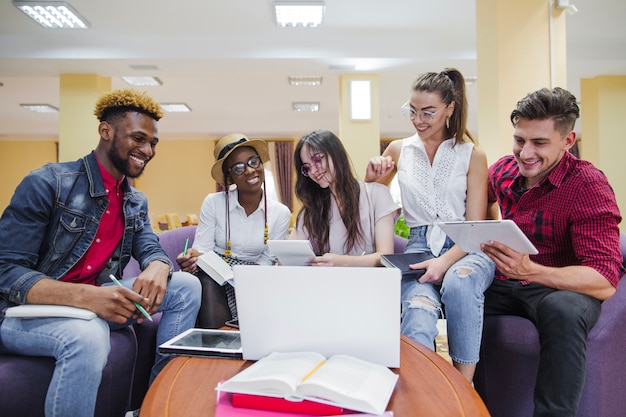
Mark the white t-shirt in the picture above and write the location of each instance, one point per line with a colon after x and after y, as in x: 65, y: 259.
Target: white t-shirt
x: 437, y: 192
x: 375, y: 202
x: 246, y: 232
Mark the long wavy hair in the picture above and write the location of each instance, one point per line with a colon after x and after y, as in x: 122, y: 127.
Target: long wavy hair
x: 450, y: 85
x: 315, y: 211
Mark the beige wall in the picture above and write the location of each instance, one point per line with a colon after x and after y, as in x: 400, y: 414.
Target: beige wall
x: 176, y: 180
x: 18, y: 158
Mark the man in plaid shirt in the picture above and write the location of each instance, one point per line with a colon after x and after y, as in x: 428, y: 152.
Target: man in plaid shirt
x: 568, y: 210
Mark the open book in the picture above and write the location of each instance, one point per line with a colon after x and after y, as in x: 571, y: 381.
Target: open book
x: 215, y: 267
x: 341, y: 380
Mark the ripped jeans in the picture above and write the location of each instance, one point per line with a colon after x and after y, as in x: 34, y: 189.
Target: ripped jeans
x: 462, y: 294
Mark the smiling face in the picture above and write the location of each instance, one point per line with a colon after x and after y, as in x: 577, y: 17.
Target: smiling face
x: 538, y: 147
x: 319, y: 166
x: 424, y: 103
x: 252, y: 178
x: 133, y: 139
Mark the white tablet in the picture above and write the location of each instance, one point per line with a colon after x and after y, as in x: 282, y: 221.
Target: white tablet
x: 291, y: 252
x: 205, y: 342
x: 470, y: 234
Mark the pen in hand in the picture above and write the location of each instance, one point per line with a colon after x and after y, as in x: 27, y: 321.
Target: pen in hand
x: 139, y: 307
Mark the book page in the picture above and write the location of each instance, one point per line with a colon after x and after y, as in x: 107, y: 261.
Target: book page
x: 352, y: 383
x: 278, y: 374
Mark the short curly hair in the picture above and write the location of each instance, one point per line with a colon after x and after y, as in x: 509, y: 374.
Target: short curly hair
x: 118, y: 102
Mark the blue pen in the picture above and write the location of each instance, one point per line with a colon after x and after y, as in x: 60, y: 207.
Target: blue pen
x: 139, y: 307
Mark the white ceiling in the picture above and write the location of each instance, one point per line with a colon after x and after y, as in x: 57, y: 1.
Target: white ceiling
x: 229, y: 61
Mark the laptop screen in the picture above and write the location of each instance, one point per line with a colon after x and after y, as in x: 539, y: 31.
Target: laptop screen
x: 330, y: 310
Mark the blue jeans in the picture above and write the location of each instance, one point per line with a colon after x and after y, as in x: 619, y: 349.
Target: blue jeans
x: 81, y: 347
x: 462, y: 294
x: 563, y: 320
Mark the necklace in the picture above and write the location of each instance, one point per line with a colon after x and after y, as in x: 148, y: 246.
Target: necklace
x: 228, y: 251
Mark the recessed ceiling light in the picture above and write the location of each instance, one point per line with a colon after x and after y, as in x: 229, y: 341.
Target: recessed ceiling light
x: 53, y: 14
x: 175, y: 107
x: 305, y: 106
x: 342, y: 67
x: 142, y: 81
x: 299, y: 13
x: 40, y: 108
x: 305, y: 80
x: 147, y: 67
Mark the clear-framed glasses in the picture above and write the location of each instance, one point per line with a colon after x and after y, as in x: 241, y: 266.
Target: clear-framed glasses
x: 426, y: 116
x: 317, y: 160
x: 239, y: 168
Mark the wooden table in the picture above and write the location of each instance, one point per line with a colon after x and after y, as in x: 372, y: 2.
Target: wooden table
x: 428, y: 386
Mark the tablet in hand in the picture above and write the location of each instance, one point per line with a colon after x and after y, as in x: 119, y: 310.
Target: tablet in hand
x: 469, y: 235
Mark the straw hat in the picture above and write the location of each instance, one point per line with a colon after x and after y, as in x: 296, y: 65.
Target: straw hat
x: 226, y: 145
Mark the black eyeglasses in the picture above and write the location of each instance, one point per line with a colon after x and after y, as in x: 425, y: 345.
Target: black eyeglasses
x: 317, y: 160
x: 239, y: 168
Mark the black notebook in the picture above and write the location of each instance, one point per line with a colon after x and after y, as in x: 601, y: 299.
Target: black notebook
x: 403, y: 260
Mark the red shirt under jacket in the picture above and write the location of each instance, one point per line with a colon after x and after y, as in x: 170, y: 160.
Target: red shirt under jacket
x: 108, y: 236
x: 571, y: 216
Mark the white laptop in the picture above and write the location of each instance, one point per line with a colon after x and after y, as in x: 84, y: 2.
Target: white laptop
x: 330, y: 310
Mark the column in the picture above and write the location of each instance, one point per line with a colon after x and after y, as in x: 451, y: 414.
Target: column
x: 361, y: 136
x: 602, y: 102
x: 78, y: 126
x: 520, y: 49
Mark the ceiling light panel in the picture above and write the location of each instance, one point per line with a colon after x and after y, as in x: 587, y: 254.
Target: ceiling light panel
x: 305, y: 80
x: 40, y: 108
x: 175, y: 108
x: 53, y: 14
x: 305, y: 106
x: 142, y: 81
x: 299, y: 13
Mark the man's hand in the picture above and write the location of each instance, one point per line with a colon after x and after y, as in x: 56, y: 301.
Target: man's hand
x: 115, y: 304
x: 510, y: 263
x: 151, y: 285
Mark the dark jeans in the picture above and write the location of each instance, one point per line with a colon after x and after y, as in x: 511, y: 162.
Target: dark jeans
x: 563, y: 320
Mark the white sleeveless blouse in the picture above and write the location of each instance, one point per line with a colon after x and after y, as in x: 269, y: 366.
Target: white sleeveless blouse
x: 431, y: 194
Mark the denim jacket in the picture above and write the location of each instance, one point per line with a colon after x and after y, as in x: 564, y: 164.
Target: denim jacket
x: 52, y: 220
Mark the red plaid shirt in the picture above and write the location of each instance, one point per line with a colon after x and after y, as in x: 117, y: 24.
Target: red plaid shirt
x: 571, y: 216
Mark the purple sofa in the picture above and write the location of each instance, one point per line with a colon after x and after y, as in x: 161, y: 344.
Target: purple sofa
x: 24, y: 380
x: 510, y: 355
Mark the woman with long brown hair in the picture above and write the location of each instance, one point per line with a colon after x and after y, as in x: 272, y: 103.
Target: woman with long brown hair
x: 349, y: 222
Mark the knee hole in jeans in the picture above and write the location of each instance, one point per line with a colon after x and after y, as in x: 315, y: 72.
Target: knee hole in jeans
x: 426, y: 303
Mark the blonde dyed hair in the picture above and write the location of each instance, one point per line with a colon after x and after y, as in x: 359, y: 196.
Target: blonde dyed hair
x: 121, y: 101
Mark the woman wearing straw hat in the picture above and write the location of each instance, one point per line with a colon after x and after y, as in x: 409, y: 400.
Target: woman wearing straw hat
x: 237, y: 223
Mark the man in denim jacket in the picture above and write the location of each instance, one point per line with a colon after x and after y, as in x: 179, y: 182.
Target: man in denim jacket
x: 67, y: 228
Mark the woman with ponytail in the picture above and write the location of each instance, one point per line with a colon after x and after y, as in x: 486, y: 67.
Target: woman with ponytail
x: 237, y: 222
x: 443, y: 177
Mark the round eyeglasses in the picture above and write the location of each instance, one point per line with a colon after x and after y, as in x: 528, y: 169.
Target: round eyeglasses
x: 239, y: 168
x: 317, y: 160
x: 426, y: 116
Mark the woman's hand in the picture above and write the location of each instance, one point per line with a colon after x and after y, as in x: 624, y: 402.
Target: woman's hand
x: 378, y: 167
x: 187, y: 262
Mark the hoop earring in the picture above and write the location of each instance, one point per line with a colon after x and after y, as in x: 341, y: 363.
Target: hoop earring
x: 447, y: 122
